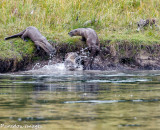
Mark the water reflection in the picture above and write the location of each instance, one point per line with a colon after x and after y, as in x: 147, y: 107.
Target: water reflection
x: 74, y: 100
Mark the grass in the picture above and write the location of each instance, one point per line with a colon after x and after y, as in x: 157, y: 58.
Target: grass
x: 115, y: 19
x: 17, y: 49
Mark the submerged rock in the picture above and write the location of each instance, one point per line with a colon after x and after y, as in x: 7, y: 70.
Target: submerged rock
x: 72, y: 61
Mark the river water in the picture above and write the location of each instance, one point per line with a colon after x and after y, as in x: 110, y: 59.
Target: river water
x: 53, y: 98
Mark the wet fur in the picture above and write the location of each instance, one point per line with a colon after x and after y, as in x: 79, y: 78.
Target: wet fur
x: 34, y: 34
x: 72, y: 61
x: 91, y: 38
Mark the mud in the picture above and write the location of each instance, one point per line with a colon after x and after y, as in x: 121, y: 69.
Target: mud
x: 12, y: 65
x: 113, y: 56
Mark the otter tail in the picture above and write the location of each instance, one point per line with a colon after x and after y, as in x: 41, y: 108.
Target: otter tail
x: 16, y: 35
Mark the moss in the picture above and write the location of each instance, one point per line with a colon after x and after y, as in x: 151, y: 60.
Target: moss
x: 16, y: 49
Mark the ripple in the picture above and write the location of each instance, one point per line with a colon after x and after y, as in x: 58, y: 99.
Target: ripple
x: 94, y: 101
x: 131, y: 80
x: 112, y: 101
x: 28, y: 82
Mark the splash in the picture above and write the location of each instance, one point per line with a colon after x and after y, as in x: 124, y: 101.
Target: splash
x: 37, y: 65
x: 84, y: 53
x: 51, y: 68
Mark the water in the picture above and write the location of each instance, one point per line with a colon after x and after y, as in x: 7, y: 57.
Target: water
x: 54, y: 98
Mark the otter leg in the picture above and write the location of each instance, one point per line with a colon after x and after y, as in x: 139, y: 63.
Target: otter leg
x: 102, y: 55
x: 42, y: 45
x: 93, y: 53
x: 24, y: 36
x: 38, y: 45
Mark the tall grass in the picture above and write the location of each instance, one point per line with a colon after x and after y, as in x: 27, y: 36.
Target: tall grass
x: 55, y: 18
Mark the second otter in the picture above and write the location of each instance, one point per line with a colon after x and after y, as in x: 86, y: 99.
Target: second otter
x: 91, y: 38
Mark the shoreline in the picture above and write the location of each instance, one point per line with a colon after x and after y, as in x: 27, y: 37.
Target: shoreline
x: 116, y: 56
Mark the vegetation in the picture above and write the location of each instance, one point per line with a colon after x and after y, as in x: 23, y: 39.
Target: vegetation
x: 16, y: 49
x: 112, y: 20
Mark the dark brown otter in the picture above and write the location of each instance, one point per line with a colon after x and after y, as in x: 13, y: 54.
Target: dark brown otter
x: 39, y: 40
x: 91, y: 38
x: 72, y: 61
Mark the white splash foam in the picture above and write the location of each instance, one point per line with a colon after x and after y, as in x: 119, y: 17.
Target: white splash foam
x: 53, y: 69
x: 57, y: 67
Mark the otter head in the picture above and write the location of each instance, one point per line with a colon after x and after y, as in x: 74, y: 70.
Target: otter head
x: 52, y: 51
x: 75, y: 32
x: 47, y: 47
x: 72, y: 61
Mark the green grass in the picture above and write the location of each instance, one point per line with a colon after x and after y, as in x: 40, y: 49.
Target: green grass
x: 17, y: 49
x: 116, y: 19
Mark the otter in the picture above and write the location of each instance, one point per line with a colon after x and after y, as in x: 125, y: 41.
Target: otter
x: 72, y: 61
x: 143, y: 23
x: 39, y: 40
x: 91, y: 38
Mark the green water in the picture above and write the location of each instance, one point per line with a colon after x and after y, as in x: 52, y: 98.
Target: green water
x: 82, y: 100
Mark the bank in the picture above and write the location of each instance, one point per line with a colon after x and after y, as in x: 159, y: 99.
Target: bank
x: 116, y: 54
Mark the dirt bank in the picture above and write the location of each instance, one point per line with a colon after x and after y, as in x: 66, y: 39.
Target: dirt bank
x: 124, y: 55
x: 113, y: 56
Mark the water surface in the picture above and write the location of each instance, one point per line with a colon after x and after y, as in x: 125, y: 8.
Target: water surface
x: 53, y: 98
